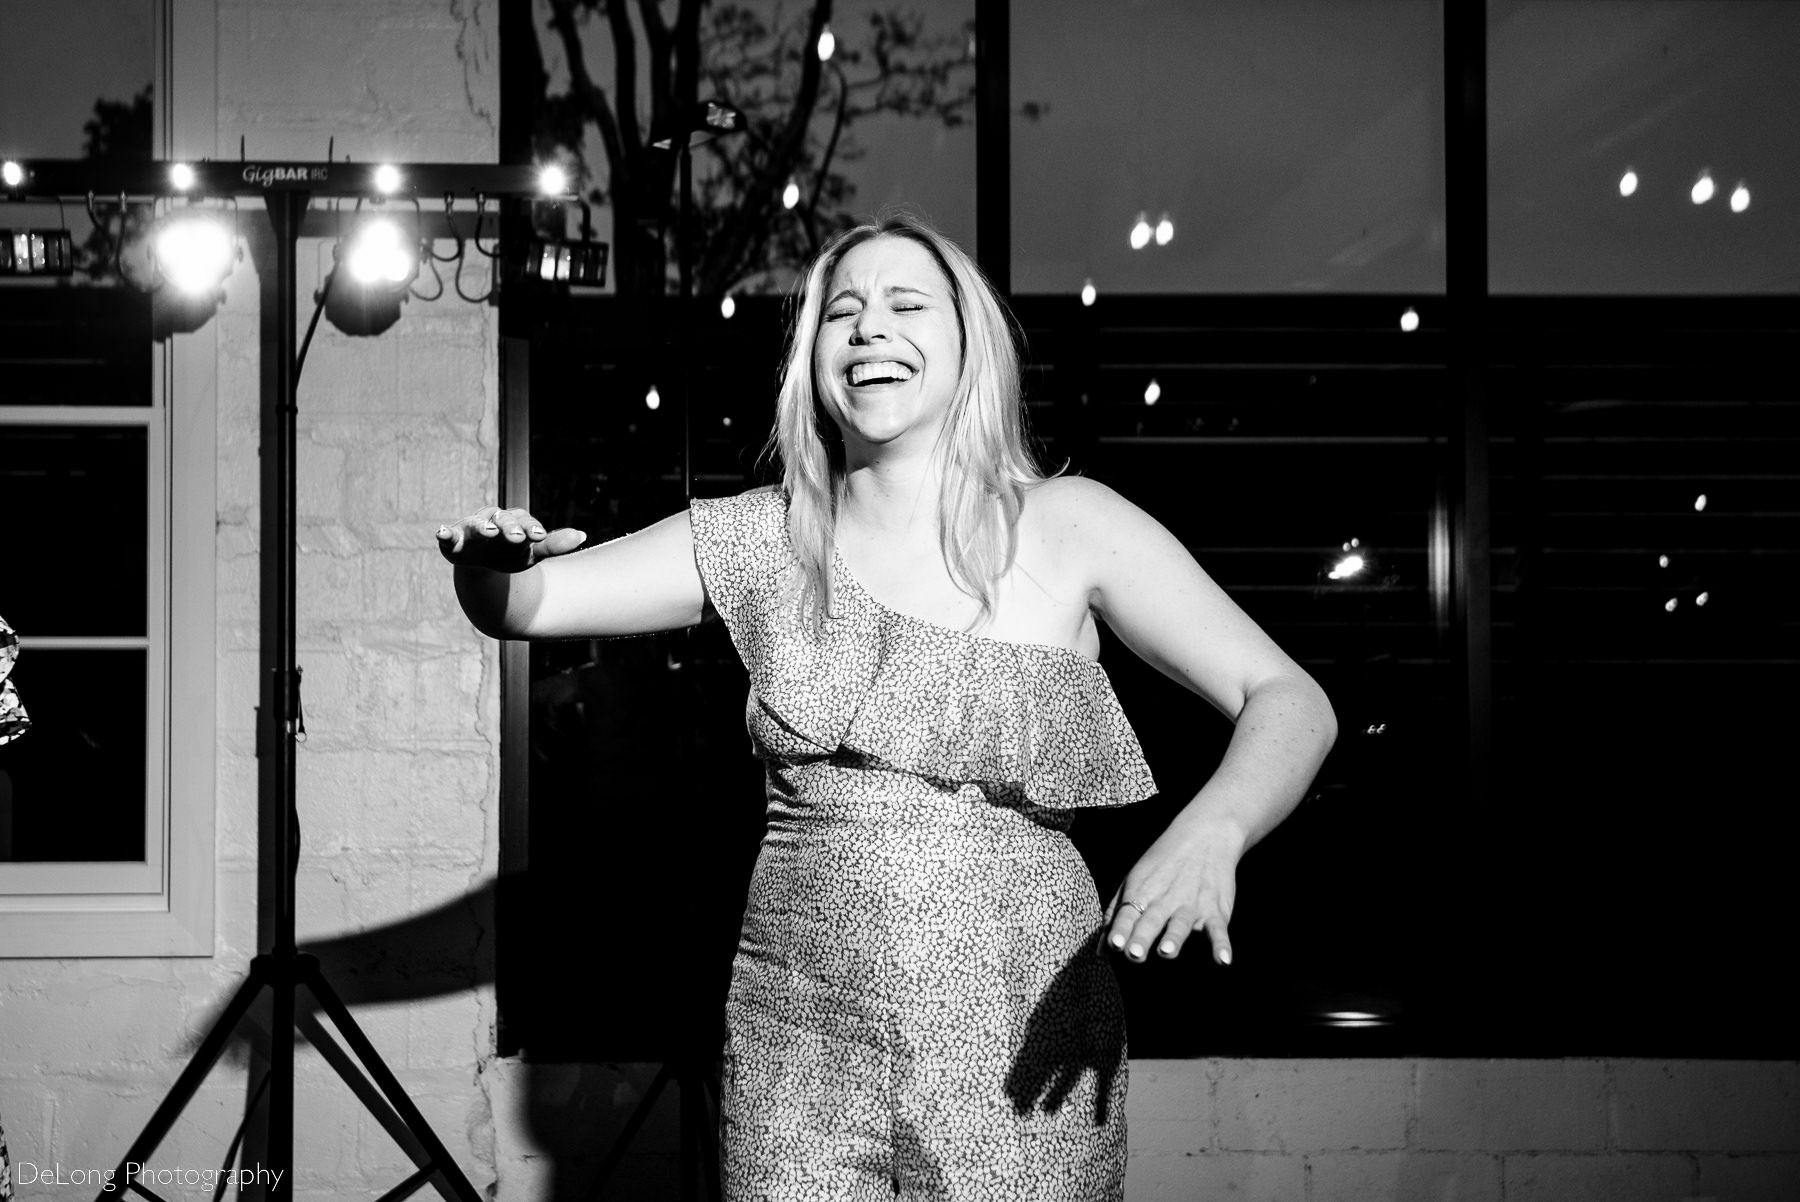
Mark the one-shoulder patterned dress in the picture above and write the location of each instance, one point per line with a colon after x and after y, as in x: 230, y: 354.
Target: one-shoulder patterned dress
x: 920, y: 1004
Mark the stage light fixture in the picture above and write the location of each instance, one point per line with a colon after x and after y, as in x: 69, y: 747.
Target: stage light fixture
x: 1140, y: 233
x: 1088, y: 294
x: 1628, y: 183
x: 36, y: 252
x: 12, y: 173
x: 387, y: 179
x: 827, y: 44
x: 1165, y: 230
x: 194, y: 250
x: 1409, y: 320
x: 552, y: 180
x: 372, y: 279
x: 1703, y: 188
x: 181, y: 176
x: 1740, y: 197
x: 558, y: 262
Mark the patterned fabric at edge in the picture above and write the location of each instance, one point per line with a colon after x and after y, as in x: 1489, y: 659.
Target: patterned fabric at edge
x: 920, y: 1004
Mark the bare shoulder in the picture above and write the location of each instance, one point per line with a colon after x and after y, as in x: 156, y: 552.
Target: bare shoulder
x: 1086, y: 516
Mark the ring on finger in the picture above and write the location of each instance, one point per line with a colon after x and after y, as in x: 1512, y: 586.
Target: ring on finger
x: 1135, y: 906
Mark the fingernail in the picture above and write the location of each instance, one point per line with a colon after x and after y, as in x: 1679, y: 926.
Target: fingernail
x: 1168, y: 949
x: 537, y: 529
x: 490, y: 527
x: 1118, y: 941
x: 1225, y: 956
x: 1137, y: 951
x: 515, y: 530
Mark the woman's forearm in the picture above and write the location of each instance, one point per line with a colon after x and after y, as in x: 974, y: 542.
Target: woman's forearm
x: 498, y: 604
x: 1283, y: 733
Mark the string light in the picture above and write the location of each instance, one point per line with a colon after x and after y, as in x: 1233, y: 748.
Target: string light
x: 1409, y: 320
x: 1628, y: 183
x: 1662, y: 561
x: 1165, y: 230
x: 1703, y: 188
x: 827, y: 44
x: 12, y: 174
x: 1701, y: 599
x: 653, y: 398
x: 1700, y: 503
x: 1669, y: 605
x: 1740, y: 197
x: 1140, y: 233
x: 790, y: 195
x: 1152, y: 393
x: 727, y: 307
x: 1088, y: 294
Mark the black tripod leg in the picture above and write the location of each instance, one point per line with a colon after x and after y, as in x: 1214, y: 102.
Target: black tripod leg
x: 182, y: 1091
x: 307, y: 973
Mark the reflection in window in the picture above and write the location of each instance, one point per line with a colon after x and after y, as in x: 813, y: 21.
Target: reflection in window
x: 1227, y: 147
x: 1643, y: 147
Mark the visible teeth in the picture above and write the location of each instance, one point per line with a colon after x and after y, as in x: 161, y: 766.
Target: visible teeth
x: 863, y: 372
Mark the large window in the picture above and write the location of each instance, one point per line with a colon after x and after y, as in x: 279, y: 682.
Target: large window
x: 1552, y: 742
x: 106, y: 803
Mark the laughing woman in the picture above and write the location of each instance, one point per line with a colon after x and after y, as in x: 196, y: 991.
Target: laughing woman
x: 923, y: 1003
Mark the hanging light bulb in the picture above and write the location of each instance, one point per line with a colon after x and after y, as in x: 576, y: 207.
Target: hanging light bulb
x: 1628, y: 183
x: 1088, y: 294
x: 653, y: 398
x: 827, y: 44
x: 1700, y: 503
x: 1740, y: 197
x: 1703, y: 188
x: 1152, y: 393
x: 1165, y: 230
x: 1409, y: 320
x: 790, y: 195
x: 1140, y: 233
x: 727, y: 307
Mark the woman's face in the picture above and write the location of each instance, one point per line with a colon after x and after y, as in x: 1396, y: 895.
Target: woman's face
x: 888, y: 353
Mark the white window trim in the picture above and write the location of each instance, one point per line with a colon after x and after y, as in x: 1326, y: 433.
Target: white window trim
x: 163, y: 905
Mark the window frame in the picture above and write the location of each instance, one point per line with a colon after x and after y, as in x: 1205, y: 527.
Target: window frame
x: 163, y: 905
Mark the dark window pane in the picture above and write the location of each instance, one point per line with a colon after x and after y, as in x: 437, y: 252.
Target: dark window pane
x: 75, y: 483
x: 74, y: 346
x: 1646, y: 540
x: 72, y: 786
x: 1602, y: 118
x: 1294, y: 146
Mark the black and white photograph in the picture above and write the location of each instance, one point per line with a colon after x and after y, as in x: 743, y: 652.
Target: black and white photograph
x: 938, y: 600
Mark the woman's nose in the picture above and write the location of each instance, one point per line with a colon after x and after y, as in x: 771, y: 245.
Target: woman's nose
x: 870, y: 326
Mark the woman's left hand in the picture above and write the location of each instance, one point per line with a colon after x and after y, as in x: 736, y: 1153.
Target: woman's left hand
x: 1185, y: 883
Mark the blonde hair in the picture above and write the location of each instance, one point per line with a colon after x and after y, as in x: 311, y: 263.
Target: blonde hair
x: 986, y: 464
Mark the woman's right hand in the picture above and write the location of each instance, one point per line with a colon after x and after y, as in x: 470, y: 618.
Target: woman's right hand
x: 504, y: 540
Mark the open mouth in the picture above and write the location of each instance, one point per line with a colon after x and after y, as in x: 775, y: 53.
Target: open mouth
x: 885, y: 372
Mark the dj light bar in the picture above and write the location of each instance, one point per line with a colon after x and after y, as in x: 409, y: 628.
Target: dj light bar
x: 425, y: 182
x: 36, y: 252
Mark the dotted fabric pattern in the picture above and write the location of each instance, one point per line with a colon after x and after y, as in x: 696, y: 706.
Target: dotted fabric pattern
x: 920, y: 1004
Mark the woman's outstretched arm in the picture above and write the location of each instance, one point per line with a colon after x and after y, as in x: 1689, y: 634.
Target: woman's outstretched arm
x: 1154, y: 596
x: 516, y: 580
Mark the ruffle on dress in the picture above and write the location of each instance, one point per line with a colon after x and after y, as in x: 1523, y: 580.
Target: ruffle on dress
x: 903, y: 692
x: 13, y: 721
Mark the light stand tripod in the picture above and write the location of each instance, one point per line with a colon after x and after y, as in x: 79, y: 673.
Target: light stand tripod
x: 281, y: 969
x: 286, y: 189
